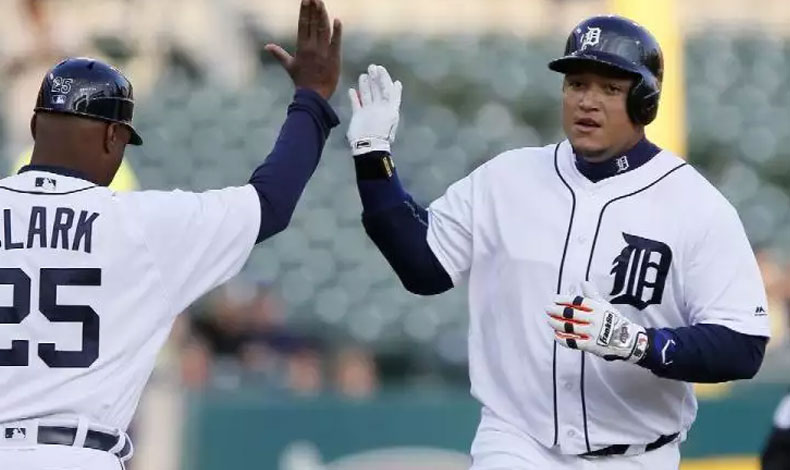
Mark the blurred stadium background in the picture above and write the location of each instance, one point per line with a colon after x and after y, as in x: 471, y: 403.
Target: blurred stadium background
x: 315, y: 358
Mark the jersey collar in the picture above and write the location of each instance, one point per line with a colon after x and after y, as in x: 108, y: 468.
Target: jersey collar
x: 637, y: 156
x: 58, y: 170
x: 617, y: 185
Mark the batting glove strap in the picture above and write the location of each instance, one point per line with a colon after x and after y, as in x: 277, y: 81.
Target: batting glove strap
x: 621, y: 339
x: 365, y: 145
x: 641, y: 345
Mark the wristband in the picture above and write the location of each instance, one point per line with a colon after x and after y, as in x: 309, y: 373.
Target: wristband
x: 374, y: 166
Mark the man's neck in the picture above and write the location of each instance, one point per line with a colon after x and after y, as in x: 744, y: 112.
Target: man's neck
x: 608, y: 154
x: 56, y: 160
x: 630, y: 159
x: 59, y: 170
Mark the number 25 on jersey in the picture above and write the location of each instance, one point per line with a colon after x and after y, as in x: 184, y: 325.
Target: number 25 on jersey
x: 49, y: 280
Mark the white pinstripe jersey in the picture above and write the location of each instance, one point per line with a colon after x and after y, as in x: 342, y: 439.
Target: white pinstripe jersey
x: 659, y: 241
x: 91, y: 281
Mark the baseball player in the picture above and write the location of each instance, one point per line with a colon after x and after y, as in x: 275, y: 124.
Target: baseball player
x: 605, y: 274
x: 92, y: 280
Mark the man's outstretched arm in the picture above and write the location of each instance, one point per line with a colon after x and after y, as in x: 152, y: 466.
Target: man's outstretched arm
x: 396, y: 224
x: 315, y: 70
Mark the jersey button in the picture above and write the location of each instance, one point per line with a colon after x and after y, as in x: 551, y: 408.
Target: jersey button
x: 581, y: 239
x: 568, y: 386
x: 571, y: 433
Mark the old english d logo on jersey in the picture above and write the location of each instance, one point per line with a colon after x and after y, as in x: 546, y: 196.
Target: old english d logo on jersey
x: 640, y: 272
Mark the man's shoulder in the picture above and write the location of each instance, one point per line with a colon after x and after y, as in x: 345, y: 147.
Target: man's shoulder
x: 530, y: 155
x: 161, y: 202
x: 181, y: 194
x: 523, y: 158
x: 692, y: 188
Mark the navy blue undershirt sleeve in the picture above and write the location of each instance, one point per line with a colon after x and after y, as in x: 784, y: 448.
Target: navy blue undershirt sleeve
x: 398, y: 226
x: 703, y: 353
x: 281, y: 179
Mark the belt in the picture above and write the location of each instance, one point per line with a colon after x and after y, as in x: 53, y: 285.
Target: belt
x: 62, y: 435
x: 621, y: 449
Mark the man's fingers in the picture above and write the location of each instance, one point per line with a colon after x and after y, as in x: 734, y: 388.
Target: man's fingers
x: 303, y: 32
x: 281, y: 55
x: 375, y: 84
x: 556, y: 324
x: 353, y: 96
x: 568, y: 326
x: 559, y: 320
x: 314, y: 16
x: 569, y: 340
x: 397, y: 92
x: 365, y: 96
x: 322, y: 24
x: 384, y: 77
x: 384, y: 84
x: 574, y: 301
x: 574, y: 306
x: 563, y: 336
x: 568, y: 312
x: 337, y: 39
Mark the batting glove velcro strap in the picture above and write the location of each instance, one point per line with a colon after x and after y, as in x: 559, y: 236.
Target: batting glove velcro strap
x: 370, y: 144
x: 589, y: 323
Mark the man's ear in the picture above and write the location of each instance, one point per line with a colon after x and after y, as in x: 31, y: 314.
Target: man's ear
x: 110, y: 137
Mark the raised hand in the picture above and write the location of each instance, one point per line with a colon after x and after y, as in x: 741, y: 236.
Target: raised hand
x: 375, y: 108
x: 316, y: 63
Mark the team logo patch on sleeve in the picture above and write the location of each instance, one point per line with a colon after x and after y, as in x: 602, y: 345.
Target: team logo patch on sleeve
x: 640, y: 272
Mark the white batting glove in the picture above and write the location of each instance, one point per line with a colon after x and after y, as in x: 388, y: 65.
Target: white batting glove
x: 375, y: 109
x: 589, y: 323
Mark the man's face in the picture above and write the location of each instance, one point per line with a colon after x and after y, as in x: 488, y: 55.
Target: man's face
x: 594, y: 114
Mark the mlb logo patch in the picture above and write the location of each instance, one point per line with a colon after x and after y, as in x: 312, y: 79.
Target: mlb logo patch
x: 59, y: 99
x: 15, y: 434
x: 50, y: 184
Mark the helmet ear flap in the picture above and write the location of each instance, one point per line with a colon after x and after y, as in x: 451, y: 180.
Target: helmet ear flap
x: 642, y: 101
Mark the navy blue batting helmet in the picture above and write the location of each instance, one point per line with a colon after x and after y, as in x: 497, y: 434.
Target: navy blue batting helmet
x: 89, y: 88
x: 619, y: 43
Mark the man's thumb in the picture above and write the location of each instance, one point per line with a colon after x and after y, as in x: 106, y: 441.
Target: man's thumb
x: 589, y: 290
x: 280, y: 54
